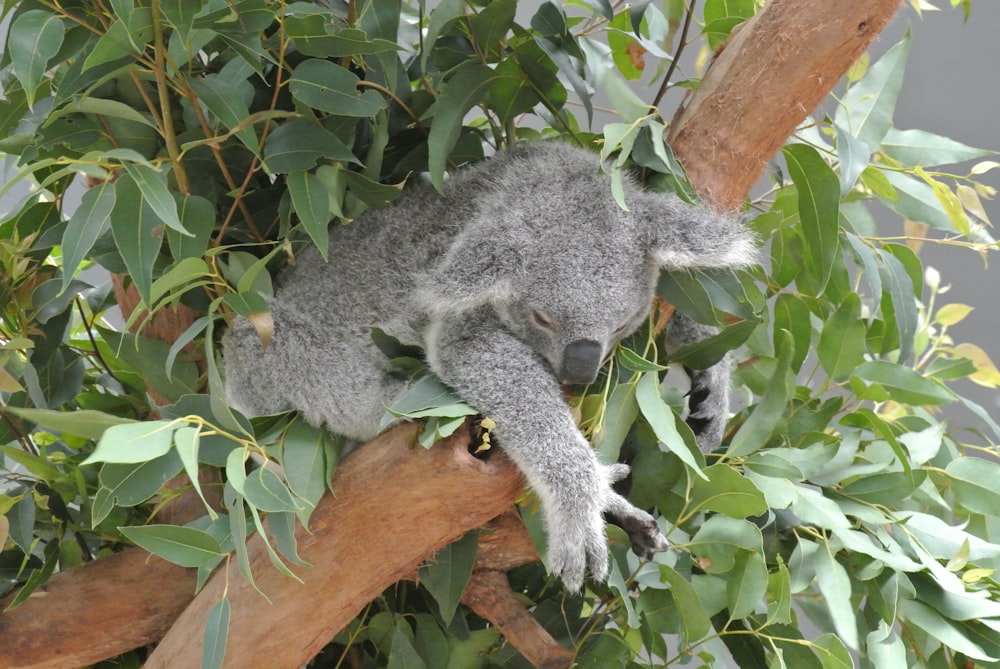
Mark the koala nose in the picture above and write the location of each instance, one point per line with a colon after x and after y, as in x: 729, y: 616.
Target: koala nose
x: 581, y: 360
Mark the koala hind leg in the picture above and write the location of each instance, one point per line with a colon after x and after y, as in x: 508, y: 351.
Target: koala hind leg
x: 708, y: 400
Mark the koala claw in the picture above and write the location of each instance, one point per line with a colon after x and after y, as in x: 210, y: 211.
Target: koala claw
x: 642, y: 530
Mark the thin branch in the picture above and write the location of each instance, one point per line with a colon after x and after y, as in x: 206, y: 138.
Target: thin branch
x: 677, y: 56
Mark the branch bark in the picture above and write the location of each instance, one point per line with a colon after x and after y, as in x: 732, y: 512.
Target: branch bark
x: 395, y: 505
x: 774, y: 70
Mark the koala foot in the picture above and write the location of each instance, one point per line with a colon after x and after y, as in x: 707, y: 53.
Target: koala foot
x: 641, y: 527
x: 575, y: 543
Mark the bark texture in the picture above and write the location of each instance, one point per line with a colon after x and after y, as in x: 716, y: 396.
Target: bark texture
x: 772, y: 72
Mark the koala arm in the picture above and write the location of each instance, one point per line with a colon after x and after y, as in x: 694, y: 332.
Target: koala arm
x: 708, y: 400
x: 507, y: 381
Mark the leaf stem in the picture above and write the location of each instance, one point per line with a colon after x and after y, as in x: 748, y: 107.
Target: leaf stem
x: 163, y: 91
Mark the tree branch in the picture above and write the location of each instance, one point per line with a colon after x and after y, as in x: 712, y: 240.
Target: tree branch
x: 775, y: 69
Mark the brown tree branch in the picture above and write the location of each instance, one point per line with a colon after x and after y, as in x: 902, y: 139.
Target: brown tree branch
x: 395, y: 504
x: 769, y: 76
x: 490, y: 596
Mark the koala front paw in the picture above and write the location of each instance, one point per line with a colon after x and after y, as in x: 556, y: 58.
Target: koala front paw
x: 574, y: 542
x: 643, y: 532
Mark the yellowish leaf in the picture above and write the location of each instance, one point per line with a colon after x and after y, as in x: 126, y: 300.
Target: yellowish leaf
x: 9, y: 384
x: 984, y: 167
x: 969, y: 198
x: 986, y: 373
x: 263, y: 323
x: 950, y: 314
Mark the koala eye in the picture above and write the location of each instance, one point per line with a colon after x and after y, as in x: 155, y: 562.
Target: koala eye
x: 542, y: 320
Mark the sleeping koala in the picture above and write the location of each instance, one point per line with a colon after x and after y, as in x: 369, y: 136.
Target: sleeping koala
x: 520, y: 280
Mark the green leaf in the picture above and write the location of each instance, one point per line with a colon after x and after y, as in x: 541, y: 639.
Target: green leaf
x: 328, y: 87
x: 226, y: 100
x: 693, y: 617
x: 148, y: 357
x: 186, y: 443
x: 919, y: 147
x: 930, y: 621
x: 101, y: 107
x: 447, y: 573
x: 267, y: 492
x: 885, y: 488
x: 197, y: 217
x: 709, y: 351
x: 491, y: 25
x: 445, y: 12
x: 854, y: 156
x: 85, y: 423
x: 184, y: 546
x: 134, y: 442
x: 154, y: 191
x: 903, y: 312
x: 213, y: 649
x: 122, y: 39
x: 663, y: 420
x: 746, y: 584
x: 456, y: 97
x: 867, y: 107
x: 90, y: 220
x: 402, y: 654
x: 832, y: 652
x: 302, y: 451
x: 34, y: 39
x: 726, y: 491
x: 138, y: 233
x: 37, y: 465
x: 842, y: 342
x: 131, y: 484
x: 764, y: 419
x: 299, y: 144
x: 311, y: 202
x: 819, y: 204
x: 903, y: 384
x: 180, y: 14
x: 916, y: 201
x: 975, y: 482
x: 835, y: 584
x: 791, y: 313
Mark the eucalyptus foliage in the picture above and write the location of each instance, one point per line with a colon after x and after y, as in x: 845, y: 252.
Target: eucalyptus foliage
x: 195, y: 146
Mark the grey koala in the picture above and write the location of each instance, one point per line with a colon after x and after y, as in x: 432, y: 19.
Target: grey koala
x: 521, y: 279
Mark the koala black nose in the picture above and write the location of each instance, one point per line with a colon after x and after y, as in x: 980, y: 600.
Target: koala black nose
x: 581, y: 360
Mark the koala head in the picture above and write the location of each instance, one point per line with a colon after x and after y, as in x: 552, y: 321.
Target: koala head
x: 566, y: 270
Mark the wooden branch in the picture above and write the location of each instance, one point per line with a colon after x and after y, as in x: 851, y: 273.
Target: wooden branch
x: 774, y: 70
x: 396, y: 504
x: 490, y: 596
x: 95, y: 611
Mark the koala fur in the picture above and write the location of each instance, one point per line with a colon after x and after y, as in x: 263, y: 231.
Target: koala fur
x: 521, y: 279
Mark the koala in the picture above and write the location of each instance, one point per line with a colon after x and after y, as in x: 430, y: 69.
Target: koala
x: 518, y: 281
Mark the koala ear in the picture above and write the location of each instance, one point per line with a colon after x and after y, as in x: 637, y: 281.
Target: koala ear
x: 684, y: 236
x: 476, y: 269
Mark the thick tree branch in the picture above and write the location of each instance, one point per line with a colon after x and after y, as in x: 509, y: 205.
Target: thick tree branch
x: 775, y: 69
x: 395, y: 504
